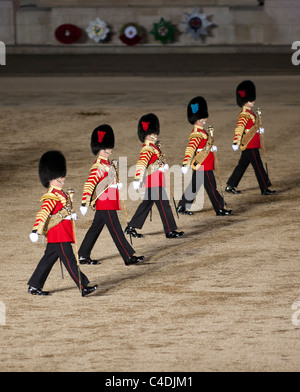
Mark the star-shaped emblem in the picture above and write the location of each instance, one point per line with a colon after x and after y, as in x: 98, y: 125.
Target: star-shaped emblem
x: 163, y: 31
x: 197, y: 24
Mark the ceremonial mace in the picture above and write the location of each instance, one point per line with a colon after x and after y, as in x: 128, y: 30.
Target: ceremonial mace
x: 211, y: 131
x: 70, y: 193
x: 114, y: 162
x: 262, y: 140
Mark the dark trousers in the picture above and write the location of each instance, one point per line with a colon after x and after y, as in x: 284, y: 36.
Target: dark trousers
x: 111, y: 220
x: 159, y: 197
x: 64, y: 251
x: 208, y: 178
x: 248, y: 156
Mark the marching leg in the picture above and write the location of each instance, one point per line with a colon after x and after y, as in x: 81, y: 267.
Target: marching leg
x: 90, y: 239
x: 140, y: 216
x: 237, y: 174
x: 43, y: 269
x: 123, y: 246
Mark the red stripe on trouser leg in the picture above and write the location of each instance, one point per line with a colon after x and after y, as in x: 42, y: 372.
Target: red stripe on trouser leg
x: 117, y: 234
x: 259, y: 169
x: 68, y: 262
x: 213, y: 191
x: 160, y: 201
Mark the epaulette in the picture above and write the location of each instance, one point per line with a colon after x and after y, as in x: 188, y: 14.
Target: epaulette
x: 49, y: 196
x: 200, y: 135
x: 98, y: 165
x: 246, y: 114
x: 146, y: 148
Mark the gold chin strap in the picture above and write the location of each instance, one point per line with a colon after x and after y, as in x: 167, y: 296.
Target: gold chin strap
x: 59, y: 181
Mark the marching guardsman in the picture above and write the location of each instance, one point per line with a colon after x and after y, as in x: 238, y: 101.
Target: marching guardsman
x: 199, y: 155
x: 150, y: 171
x: 101, y: 190
x: 54, y: 220
x: 247, y: 138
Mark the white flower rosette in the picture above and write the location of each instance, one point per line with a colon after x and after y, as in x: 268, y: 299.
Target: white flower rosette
x: 98, y: 30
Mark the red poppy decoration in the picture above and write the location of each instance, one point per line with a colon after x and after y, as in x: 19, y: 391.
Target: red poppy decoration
x: 145, y: 125
x: 242, y: 93
x: 68, y: 34
x: 131, y: 34
x: 101, y: 135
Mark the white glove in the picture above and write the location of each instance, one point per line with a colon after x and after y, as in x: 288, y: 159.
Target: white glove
x: 136, y: 185
x: 261, y: 130
x: 235, y: 147
x: 184, y: 169
x: 34, y: 237
x: 83, y: 210
x: 214, y: 149
x: 72, y: 216
x: 119, y: 185
x: 164, y: 168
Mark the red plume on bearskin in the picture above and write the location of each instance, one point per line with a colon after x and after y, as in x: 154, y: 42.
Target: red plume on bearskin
x: 102, y: 138
x: 147, y: 125
x: 245, y: 92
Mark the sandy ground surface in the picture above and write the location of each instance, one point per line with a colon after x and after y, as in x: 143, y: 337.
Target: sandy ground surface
x: 218, y: 299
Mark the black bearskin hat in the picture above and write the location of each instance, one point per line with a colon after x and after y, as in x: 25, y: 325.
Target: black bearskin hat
x: 245, y: 92
x: 197, y: 109
x: 102, y: 137
x: 52, y: 165
x: 147, y: 125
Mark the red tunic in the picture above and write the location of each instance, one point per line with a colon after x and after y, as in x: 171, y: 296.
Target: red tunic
x: 109, y: 200
x: 246, y: 121
x: 149, y: 155
x: 53, y: 201
x: 198, y: 140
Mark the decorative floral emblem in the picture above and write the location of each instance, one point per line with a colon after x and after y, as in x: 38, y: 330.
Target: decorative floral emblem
x: 68, y: 34
x: 163, y: 31
x: 196, y: 24
x: 98, y: 30
x: 131, y: 34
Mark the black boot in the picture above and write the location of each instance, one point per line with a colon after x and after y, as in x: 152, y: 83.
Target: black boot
x: 175, y: 234
x: 134, y: 260
x: 34, y: 291
x: 131, y: 231
x: 231, y: 189
x: 88, y: 290
x: 268, y: 192
x: 88, y: 260
x: 224, y: 212
x: 182, y: 210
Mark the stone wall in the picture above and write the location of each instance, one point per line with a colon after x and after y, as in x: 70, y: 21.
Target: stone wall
x: 141, y: 3
x: 7, y: 22
x: 277, y: 23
